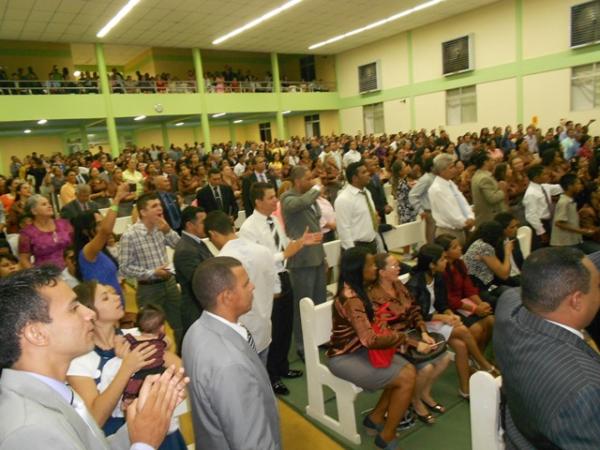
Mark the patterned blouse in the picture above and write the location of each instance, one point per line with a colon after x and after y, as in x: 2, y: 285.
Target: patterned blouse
x: 47, y: 247
x: 406, y: 211
x: 475, y: 264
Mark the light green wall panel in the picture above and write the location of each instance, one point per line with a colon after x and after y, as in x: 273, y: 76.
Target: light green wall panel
x: 309, y: 101
x: 131, y: 105
x: 35, y: 107
x: 217, y: 103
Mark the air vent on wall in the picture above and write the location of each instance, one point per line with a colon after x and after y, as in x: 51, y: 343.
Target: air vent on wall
x: 585, y: 24
x: 368, y: 77
x: 457, y: 55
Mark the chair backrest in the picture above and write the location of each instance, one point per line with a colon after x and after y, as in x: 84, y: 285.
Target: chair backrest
x: 405, y: 234
x: 121, y: 224
x: 240, y: 219
x: 103, y: 211
x: 316, y: 322
x: 13, y: 243
x: 486, y: 424
x: 524, y: 235
x: 210, y: 246
x: 333, y: 252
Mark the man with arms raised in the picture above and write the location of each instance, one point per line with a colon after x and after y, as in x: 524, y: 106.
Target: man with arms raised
x: 42, y: 329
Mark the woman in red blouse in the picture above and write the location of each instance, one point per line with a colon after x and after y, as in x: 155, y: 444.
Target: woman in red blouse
x: 464, y: 298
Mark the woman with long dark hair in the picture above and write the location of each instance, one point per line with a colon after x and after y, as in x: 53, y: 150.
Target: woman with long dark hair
x: 92, y: 232
x: 353, y: 336
x: 428, y: 288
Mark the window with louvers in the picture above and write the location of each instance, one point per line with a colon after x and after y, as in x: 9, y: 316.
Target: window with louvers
x: 456, y: 55
x: 367, y: 78
x: 585, y: 24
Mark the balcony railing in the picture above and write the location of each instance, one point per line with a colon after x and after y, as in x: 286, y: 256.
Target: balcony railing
x: 92, y: 86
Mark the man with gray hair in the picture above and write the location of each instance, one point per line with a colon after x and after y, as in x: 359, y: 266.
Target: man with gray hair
x: 308, y: 267
x: 81, y: 203
x: 452, y: 213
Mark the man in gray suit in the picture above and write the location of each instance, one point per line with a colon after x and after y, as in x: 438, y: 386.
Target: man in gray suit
x: 42, y: 329
x: 233, y: 404
x: 489, y: 197
x: 549, y: 372
x: 308, y: 267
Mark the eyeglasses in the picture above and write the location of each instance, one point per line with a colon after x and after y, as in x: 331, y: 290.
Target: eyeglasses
x: 394, y: 266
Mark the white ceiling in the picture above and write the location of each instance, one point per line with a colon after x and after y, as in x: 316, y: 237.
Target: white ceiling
x: 196, y: 23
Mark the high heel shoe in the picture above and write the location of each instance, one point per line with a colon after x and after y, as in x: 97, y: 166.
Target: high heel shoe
x: 463, y: 395
x: 427, y: 419
x: 437, y: 407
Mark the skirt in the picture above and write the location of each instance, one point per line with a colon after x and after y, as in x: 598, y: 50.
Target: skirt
x: 356, y: 368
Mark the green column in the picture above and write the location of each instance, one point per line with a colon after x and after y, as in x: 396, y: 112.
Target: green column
x: 84, y: 139
x: 200, y: 83
x: 165, y: 135
x: 195, y: 134
x: 232, y: 134
x: 111, y: 125
x: 277, y: 92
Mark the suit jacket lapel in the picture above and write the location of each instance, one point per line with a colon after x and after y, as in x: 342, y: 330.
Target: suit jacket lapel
x: 36, y: 391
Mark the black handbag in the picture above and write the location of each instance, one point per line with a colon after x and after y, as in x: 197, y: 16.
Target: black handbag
x: 413, y: 356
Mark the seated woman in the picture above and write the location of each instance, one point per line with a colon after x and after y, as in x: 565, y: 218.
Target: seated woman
x: 464, y: 298
x: 100, y: 376
x: 388, y: 289
x: 92, y: 233
x: 352, y: 337
x: 510, y: 226
x: 46, y: 238
x: 482, y: 257
x: 428, y: 288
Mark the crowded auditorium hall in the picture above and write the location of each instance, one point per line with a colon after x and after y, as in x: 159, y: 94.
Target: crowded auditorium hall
x: 299, y: 224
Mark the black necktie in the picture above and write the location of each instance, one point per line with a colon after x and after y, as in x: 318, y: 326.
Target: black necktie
x: 273, y: 231
x: 250, y: 339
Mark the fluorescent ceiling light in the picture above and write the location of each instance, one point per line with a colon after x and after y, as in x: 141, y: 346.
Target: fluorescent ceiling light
x: 42, y: 122
x: 238, y: 121
x: 77, y: 73
x: 178, y: 124
x: 27, y: 131
x: 117, y: 18
x: 370, y: 26
x: 218, y: 115
x: 139, y: 118
x: 286, y: 112
x: 256, y: 21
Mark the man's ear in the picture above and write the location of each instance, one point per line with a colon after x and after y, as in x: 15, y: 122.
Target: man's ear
x: 36, y: 334
x: 575, y: 301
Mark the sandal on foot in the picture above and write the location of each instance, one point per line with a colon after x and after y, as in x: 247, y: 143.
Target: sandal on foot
x: 437, y: 407
x: 463, y: 395
x: 427, y: 419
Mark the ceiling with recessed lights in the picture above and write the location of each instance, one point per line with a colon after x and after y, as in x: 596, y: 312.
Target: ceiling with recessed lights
x: 196, y: 23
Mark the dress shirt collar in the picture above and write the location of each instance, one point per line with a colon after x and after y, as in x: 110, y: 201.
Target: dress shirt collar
x: 59, y: 387
x: 237, y: 327
x: 141, y: 226
x: 443, y: 181
x: 566, y: 327
x: 194, y: 237
x: 354, y: 190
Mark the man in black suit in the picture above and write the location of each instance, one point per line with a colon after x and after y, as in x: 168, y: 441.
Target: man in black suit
x: 168, y: 201
x: 259, y: 174
x: 189, y: 252
x: 217, y: 196
x: 81, y: 203
x: 375, y: 187
x: 549, y: 372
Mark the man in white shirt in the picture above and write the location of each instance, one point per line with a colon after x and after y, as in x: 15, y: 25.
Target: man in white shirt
x: 258, y: 263
x: 418, y: 197
x: 44, y: 328
x: 355, y: 215
x: 352, y: 155
x: 538, y: 205
x: 264, y: 229
x: 449, y: 207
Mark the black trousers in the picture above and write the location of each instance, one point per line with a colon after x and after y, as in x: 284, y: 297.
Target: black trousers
x: 282, y: 319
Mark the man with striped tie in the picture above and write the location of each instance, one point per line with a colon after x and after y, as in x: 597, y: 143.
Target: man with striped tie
x: 264, y: 229
x: 233, y: 405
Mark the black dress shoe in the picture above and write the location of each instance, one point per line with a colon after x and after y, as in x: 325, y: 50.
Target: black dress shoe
x: 279, y: 388
x: 292, y: 374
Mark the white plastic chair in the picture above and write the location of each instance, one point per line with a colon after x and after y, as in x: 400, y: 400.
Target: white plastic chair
x: 524, y: 235
x: 333, y: 253
x: 240, y: 219
x: 486, y: 428
x: 13, y: 243
x: 316, y: 330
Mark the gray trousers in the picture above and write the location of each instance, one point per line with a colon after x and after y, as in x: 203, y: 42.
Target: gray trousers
x: 167, y: 296
x: 308, y: 282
